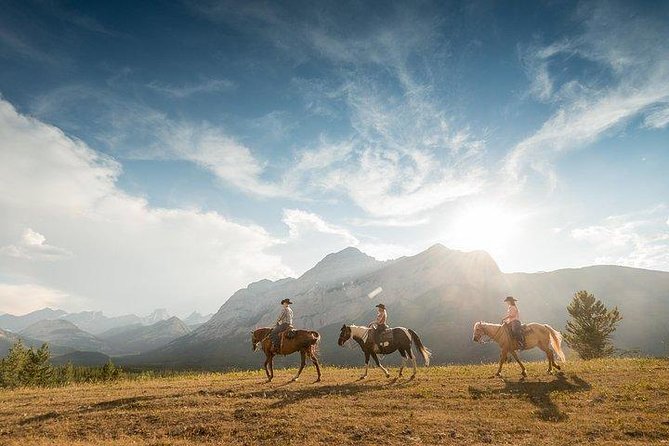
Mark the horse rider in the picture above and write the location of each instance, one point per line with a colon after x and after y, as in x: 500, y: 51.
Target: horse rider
x: 512, y: 318
x: 283, y: 323
x: 379, y: 324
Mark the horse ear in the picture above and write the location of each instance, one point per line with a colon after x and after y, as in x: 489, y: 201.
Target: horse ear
x: 343, y: 327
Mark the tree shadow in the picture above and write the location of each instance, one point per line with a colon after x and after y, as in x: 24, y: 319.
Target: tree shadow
x: 538, y: 393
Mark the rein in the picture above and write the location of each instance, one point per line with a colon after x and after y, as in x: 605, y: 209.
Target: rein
x: 491, y: 338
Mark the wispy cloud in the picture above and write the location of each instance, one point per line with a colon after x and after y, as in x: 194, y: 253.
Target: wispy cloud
x: 628, y: 50
x: 639, y: 239
x: 187, y: 90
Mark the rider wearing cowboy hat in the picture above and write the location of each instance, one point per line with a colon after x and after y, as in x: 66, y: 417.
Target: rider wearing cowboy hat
x: 283, y: 323
x: 380, y: 323
x: 513, y: 319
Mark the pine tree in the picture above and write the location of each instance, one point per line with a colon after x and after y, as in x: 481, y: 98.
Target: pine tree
x: 591, y: 326
x: 12, y: 365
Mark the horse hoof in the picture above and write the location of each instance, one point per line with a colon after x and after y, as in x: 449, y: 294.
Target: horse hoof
x: 317, y: 381
x: 362, y: 377
x: 412, y: 377
x: 294, y: 379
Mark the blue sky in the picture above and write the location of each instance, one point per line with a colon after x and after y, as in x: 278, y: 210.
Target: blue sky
x: 168, y: 153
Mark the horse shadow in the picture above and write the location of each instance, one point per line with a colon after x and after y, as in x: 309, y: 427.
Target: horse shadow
x: 538, y: 393
x: 289, y: 397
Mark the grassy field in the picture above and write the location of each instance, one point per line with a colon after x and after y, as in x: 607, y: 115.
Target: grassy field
x: 622, y: 401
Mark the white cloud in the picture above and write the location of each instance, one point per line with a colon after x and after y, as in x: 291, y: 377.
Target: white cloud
x: 21, y: 299
x: 639, y: 239
x: 33, y: 246
x: 299, y: 221
x: 127, y: 255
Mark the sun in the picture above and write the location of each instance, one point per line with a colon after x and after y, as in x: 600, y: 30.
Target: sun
x: 487, y: 226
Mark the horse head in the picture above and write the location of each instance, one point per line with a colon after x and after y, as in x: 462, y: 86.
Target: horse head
x: 344, y: 335
x: 255, y: 339
x: 478, y: 332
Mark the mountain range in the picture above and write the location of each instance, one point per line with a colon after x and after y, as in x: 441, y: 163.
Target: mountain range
x: 89, y: 337
x: 439, y: 292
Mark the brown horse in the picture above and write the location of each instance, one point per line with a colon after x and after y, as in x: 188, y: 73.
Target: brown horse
x: 536, y: 335
x: 303, y: 341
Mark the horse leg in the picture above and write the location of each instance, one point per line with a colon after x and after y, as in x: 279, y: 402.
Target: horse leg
x: 271, y: 367
x: 502, y: 358
x: 413, y: 360
x: 266, y: 369
x: 522, y: 367
x: 549, y: 356
x: 366, y: 365
x: 404, y: 360
x: 314, y: 359
x: 376, y: 360
x: 303, y: 357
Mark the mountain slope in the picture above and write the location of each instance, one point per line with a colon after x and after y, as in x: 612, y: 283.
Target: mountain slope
x: 8, y: 338
x: 139, y: 339
x: 65, y: 333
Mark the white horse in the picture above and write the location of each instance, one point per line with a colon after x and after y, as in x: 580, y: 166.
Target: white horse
x: 536, y: 335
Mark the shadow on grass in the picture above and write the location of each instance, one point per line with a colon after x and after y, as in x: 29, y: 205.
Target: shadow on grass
x: 288, y: 397
x: 538, y: 393
x: 120, y: 403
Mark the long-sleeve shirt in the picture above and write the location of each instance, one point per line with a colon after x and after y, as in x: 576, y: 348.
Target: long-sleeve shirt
x: 286, y: 316
x: 381, y: 317
x: 512, y: 314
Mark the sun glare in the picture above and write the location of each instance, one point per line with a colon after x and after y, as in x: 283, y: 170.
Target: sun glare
x: 486, y: 226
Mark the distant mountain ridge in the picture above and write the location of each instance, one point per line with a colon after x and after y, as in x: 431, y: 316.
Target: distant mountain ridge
x: 94, y: 322
x: 440, y: 292
x: 142, y: 338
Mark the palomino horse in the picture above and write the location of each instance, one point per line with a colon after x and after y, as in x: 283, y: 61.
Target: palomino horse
x: 402, y: 341
x: 303, y: 341
x: 536, y: 335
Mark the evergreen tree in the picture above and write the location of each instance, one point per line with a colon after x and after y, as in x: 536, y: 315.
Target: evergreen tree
x: 591, y: 326
x: 12, y: 365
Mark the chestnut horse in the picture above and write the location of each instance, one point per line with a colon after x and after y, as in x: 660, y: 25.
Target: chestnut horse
x: 303, y: 341
x: 536, y: 335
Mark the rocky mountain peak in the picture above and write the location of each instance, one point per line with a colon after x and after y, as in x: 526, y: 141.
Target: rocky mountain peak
x: 339, y: 265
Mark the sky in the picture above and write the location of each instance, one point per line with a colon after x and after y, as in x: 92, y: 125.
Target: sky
x: 165, y: 154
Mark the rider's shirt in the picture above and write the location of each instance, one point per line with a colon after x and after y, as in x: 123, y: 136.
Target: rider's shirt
x: 286, y: 316
x: 381, y: 317
x: 512, y: 314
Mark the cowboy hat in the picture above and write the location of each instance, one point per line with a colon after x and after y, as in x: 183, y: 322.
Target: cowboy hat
x: 383, y: 307
x: 510, y: 299
x: 286, y: 301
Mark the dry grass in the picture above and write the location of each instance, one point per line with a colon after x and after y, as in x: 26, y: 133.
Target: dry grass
x: 623, y: 401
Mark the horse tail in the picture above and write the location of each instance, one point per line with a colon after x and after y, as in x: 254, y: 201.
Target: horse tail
x: 421, y: 348
x: 556, y: 340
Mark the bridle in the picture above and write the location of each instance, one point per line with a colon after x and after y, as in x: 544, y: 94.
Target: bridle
x: 485, y: 338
